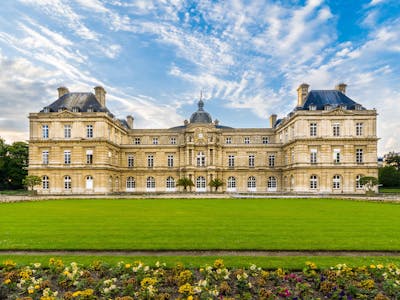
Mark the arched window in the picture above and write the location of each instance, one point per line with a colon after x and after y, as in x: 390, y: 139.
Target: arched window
x: 313, y: 182
x: 201, y: 159
x: 231, y: 186
x: 89, y: 182
x: 45, y: 182
x: 150, y: 184
x: 200, y: 184
x: 251, y: 184
x: 358, y: 183
x: 336, y: 182
x: 271, y: 184
x: 170, y: 184
x: 130, y: 183
x: 67, y: 182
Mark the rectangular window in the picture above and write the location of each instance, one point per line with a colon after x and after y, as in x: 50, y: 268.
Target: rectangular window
x: 131, y: 161
x: 170, y: 160
x: 67, y: 157
x: 67, y: 131
x: 45, y: 183
x: 359, y: 129
x: 150, y: 161
x: 336, y: 156
x: 265, y: 140
x: 313, y: 129
x: 247, y: 140
x: 231, y: 161
x: 359, y: 156
x: 336, y: 129
x: 271, y: 160
x: 45, y: 131
x: 313, y: 156
x: 251, y: 161
x: 89, y: 131
x: 172, y: 140
x: 89, y: 157
x: 136, y: 140
x: 155, y: 141
x: 45, y: 157
x: 228, y: 140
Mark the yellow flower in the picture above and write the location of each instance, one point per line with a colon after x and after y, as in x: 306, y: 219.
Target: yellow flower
x: 31, y: 290
x: 37, y: 287
x: 127, y: 266
x: 9, y: 263
x: 190, y: 298
x: 218, y: 263
x: 372, y: 266
x: 76, y: 294
x: 7, y: 281
x: 186, y: 289
x: 379, y: 266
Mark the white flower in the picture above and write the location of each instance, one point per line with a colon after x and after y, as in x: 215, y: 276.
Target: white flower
x: 253, y: 267
x: 113, y: 287
x: 214, y: 293
x: 37, y: 265
x: 106, y: 290
x: 197, y: 289
x: 146, y: 268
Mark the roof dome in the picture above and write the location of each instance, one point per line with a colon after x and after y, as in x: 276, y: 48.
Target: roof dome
x: 200, y: 116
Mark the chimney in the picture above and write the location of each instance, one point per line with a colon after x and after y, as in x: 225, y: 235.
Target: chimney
x: 62, y: 90
x: 100, y: 95
x: 216, y: 122
x: 341, y: 87
x: 129, y: 120
x: 272, y: 120
x: 302, y: 92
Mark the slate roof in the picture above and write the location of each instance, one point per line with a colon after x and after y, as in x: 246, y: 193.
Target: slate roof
x: 83, y: 101
x: 200, y: 116
x: 334, y: 98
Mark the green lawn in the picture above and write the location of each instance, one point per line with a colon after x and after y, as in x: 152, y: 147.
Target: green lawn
x: 200, y: 224
x: 389, y: 190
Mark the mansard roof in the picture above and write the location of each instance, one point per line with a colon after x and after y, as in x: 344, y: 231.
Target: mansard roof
x: 322, y: 98
x: 83, y: 101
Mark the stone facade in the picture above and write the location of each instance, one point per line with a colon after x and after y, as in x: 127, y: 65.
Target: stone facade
x: 78, y: 147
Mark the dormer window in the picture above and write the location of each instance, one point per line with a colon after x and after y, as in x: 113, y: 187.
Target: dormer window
x: 343, y: 107
x: 358, y: 107
x: 90, y: 109
x: 46, y: 109
x: 312, y: 107
x: 62, y: 108
x: 75, y: 109
x: 327, y: 107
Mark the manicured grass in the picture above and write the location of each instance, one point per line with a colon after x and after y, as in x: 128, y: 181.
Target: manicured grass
x: 200, y: 224
x: 389, y: 190
x: 291, y: 263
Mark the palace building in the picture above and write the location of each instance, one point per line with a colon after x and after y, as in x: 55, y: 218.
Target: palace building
x: 325, y: 145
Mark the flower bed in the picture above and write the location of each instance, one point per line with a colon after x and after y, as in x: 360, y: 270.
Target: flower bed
x: 126, y: 281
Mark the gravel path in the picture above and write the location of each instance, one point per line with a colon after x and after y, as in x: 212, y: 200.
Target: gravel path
x: 259, y: 253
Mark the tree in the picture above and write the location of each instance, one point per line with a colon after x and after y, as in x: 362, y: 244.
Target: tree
x: 216, y: 183
x: 31, y: 181
x: 369, y: 182
x: 393, y: 159
x: 13, y: 164
x: 185, y: 182
x: 389, y: 176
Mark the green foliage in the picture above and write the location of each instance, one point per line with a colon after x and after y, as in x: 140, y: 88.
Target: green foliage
x: 216, y: 183
x: 31, y: 181
x: 393, y: 159
x: 201, y: 224
x: 389, y: 176
x: 185, y: 182
x: 13, y: 165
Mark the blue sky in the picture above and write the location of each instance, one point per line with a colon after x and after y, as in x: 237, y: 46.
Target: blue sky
x: 154, y: 58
